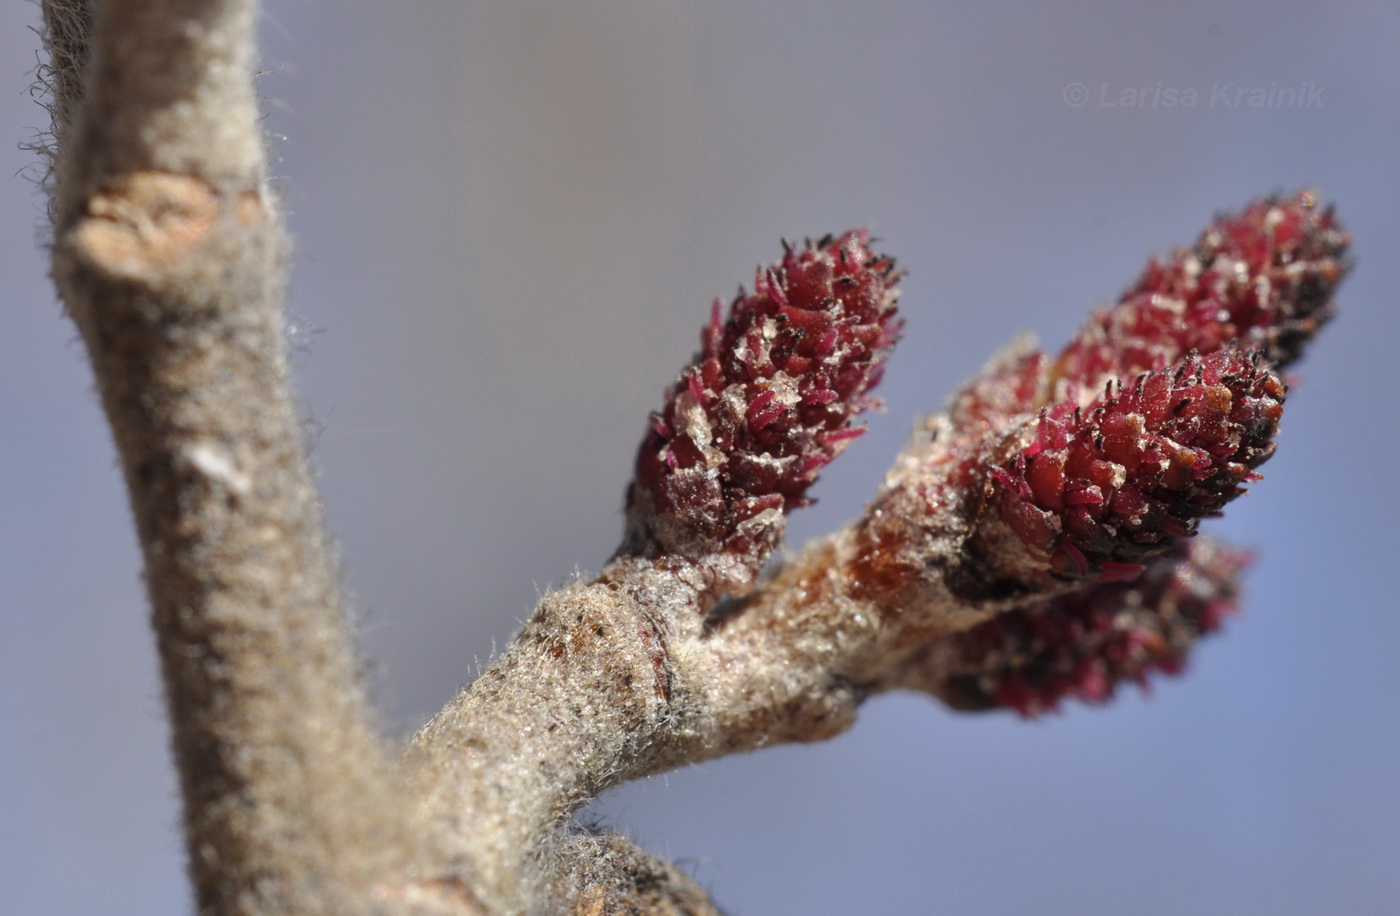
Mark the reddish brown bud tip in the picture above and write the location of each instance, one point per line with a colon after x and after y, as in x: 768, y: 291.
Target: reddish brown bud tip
x: 1109, y: 484
x: 1262, y: 278
x: 1084, y: 644
x: 768, y: 401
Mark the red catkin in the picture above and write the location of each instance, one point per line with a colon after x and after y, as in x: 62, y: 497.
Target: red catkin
x: 1262, y: 278
x: 768, y: 401
x: 1117, y: 480
x: 1085, y: 644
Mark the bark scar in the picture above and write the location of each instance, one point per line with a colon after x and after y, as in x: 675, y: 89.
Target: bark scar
x: 145, y: 221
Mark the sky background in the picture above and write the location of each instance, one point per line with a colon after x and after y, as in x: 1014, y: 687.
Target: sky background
x: 511, y: 219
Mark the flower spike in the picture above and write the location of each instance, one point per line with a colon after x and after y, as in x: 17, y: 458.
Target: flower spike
x: 1098, y: 488
x: 768, y: 402
x: 1262, y: 279
x: 1084, y: 644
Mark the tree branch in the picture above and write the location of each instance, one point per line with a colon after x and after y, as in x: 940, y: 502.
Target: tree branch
x: 1005, y: 513
x: 1030, y: 544
x: 171, y: 258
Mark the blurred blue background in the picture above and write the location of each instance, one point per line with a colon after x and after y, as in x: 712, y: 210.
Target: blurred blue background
x: 511, y: 219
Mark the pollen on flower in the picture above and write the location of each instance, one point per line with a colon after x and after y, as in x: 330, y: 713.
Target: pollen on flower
x: 1098, y: 488
x: 768, y: 401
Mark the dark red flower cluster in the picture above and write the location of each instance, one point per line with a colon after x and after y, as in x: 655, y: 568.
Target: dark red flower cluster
x: 1084, y: 644
x: 1262, y: 278
x: 1109, y: 484
x: 1151, y: 418
x: 769, y: 399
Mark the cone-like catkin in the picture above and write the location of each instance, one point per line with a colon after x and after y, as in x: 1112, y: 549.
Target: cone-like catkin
x: 767, y: 403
